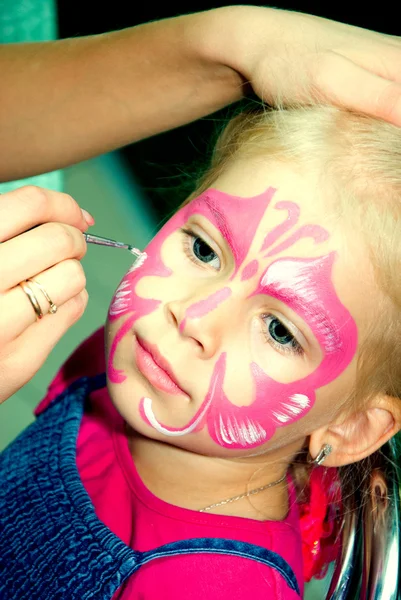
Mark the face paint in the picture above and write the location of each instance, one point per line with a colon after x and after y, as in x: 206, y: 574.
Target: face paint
x: 229, y: 430
x: 314, y: 231
x: 250, y: 270
x: 127, y: 302
x: 203, y: 307
x: 236, y: 218
x: 293, y: 213
x: 303, y: 284
x: 197, y: 422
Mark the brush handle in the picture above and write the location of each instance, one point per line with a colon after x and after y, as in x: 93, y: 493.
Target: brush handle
x: 102, y: 241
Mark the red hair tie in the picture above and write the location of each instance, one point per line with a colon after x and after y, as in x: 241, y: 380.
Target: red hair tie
x: 320, y: 525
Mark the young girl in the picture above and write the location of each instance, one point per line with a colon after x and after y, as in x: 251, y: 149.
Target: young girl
x: 263, y: 324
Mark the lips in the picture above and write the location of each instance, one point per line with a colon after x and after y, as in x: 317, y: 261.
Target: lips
x: 155, y: 368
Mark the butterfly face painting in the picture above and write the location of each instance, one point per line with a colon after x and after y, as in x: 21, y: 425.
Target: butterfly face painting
x: 219, y: 282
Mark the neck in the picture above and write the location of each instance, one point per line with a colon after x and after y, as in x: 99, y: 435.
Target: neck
x: 193, y: 481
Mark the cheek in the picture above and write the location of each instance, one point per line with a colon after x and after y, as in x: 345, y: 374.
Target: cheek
x: 130, y: 304
x: 272, y: 405
x: 238, y: 382
x: 281, y: 367
x: 143, y: 282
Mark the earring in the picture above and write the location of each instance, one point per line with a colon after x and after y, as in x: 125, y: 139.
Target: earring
x: 321, y: 457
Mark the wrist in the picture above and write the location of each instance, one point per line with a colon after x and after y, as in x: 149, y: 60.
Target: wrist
x: 214, y: 38
x: 238, y: 37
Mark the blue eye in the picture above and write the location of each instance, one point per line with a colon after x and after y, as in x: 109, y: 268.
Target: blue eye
x: 279, y: 336
x: 203, y: 251
x: 198, y: 250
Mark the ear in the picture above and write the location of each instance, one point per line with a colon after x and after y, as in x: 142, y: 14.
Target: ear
x: 360, y: 434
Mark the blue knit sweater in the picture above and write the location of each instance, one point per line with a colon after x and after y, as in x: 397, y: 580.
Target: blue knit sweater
x: 52, y: 544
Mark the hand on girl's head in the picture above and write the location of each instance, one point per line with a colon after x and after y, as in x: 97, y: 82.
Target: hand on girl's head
x: 240, y: 333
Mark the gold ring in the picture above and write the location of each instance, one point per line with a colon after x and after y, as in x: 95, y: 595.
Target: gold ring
x: 32, y: 298
x: 53, y: 307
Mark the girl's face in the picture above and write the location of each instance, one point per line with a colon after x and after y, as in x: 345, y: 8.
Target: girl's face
x: 239, y: 332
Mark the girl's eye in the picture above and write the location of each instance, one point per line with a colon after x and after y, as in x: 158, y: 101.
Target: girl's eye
x: 279, y: 336
x: 199, y: 251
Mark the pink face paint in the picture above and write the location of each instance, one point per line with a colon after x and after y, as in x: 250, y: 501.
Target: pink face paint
x: 238, y: 427
x: 317, y: 233
x: 236, y: 218
x: 275, y: 404
x: 293, y: 213
x: 203, y: 307
x: 127, y: 302
x: 305, y: 286
x: 232, y: 430
x: 250, y: 270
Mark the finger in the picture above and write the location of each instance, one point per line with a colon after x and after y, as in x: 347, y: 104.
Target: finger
x: 38, y: 250
x: 29, y: 206
x: 28, y: 353
x: 387, y: 67
x: 375, y: 52
x: 344, y: 83
x: 61, y: 283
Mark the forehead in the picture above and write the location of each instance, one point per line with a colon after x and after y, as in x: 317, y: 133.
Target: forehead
x: 247, y: 178
x: 255, y: 208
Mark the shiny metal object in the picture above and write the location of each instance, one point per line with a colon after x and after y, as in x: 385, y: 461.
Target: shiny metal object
x: 32, y: 299
x: 370, y: 561
x: 381, y: 531
x: 102, y: 241
x: 321, y: 457
x: 342, y: 585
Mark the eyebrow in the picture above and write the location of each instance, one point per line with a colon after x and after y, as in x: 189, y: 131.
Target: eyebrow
x: 317, y: 319
x: 222, y: 224
x: 298, y: 290
x: 239, y: 223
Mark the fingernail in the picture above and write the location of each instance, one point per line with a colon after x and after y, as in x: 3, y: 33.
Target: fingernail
x: 88, y: 217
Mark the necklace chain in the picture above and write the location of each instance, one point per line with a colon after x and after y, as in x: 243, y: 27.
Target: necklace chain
x: 244, y: 495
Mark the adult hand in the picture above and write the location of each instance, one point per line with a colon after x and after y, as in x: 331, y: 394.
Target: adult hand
x: 291, y: 57
x: 41, y: 239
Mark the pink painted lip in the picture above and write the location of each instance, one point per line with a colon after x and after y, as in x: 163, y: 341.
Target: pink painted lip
x: 155, y: 368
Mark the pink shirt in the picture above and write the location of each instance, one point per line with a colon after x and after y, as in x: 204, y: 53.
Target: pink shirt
x: 143, y: 521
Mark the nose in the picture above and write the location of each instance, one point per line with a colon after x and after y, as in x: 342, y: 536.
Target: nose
x: 201, y: 320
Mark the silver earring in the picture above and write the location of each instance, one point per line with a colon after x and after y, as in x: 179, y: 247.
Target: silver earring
x: 321, y: 457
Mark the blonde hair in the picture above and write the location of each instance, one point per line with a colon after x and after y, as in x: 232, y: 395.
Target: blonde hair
x: 358, y: 160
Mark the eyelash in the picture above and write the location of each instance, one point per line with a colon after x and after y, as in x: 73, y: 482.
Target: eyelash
x: 188, y: 236
x: 293, y: 349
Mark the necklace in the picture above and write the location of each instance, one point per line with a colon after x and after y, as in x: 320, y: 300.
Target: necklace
x: 244, y: 495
